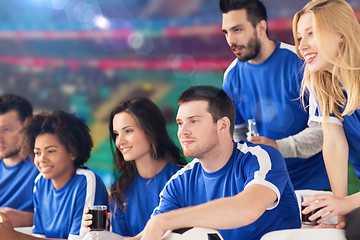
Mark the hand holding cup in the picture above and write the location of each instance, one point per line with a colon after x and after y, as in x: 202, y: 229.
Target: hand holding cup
x: 305, y: 217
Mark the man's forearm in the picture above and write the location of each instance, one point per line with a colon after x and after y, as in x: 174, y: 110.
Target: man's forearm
x: 225, y: 213
x: 19, y: 218
x: 304, y: 144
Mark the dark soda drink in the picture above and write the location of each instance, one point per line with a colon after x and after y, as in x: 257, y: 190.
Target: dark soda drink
x: 99, y: 217
x: 305, y: 217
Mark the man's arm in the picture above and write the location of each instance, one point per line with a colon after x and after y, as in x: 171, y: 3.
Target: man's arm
x: 225, y: 213
x: 304, y: 144
x: 18, y: 218
x: 7, y: 231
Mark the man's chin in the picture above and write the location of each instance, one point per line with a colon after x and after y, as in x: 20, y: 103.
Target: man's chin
x: 10, y: 154
x: 188, y: 154
x: 243, y: 58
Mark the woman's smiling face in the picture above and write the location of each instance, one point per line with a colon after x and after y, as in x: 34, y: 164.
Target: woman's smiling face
x: 53, y: 160
x: 130, y: 137
x: 308, y: 45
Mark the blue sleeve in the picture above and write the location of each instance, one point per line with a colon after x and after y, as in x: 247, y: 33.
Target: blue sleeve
x: 315, y: 115
x: 266, y: 167
x: 278, y: 174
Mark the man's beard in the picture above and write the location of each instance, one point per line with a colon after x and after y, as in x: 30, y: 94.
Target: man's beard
x: 253, y: 46
x: 11, y: 154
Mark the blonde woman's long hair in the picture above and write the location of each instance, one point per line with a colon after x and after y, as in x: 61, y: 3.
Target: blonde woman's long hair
x: 333, y: 18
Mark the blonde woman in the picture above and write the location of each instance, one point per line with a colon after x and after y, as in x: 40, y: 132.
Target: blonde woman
x: 327, y: 36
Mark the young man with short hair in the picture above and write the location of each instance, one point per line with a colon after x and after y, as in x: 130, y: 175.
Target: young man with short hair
x: 241, y: 188
x: 264, y: 83
x: 17, y: 175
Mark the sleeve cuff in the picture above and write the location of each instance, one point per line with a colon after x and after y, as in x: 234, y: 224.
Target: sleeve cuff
x: 315, y: 121
x: 269, y: 185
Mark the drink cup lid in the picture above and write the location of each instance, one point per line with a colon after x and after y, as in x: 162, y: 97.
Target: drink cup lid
x: 98, y: 207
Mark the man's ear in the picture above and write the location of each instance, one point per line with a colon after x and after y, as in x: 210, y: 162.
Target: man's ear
x: 262, y: 26
x: 223, y: 124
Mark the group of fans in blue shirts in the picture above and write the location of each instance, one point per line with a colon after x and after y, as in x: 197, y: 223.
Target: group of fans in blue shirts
x: 243, y: 188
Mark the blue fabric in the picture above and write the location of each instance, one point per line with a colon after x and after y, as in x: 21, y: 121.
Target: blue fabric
x: 16, y: 185
x: 58, y: 213
x: 248, y: 164
x: 352, y: 131
x: 269, y: 93
x: 142, y: 197
x: 351, y: 124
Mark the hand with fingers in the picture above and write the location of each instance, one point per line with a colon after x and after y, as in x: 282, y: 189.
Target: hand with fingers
x: 6, y: 229
x: 87, y: 220
x: 327, y: 206
x: 264, y: 140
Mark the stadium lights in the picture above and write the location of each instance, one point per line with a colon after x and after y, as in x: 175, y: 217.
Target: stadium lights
x: 102, y: 22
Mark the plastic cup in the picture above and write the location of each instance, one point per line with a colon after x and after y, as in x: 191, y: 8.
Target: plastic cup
x: 99, y: 217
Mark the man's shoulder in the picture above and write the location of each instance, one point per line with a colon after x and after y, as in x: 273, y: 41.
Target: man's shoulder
x: 25, y: 169
x: 189, y: 169
x: 287, y: 47
x: 259, y: 151
x: 288, y: 51
x: 231, y: 67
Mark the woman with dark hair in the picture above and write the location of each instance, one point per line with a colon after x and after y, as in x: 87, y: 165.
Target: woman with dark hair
x: 145, y: 156
x: 60, y: 144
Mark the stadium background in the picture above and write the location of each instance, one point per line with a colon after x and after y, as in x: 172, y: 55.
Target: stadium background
x: 85, y: 56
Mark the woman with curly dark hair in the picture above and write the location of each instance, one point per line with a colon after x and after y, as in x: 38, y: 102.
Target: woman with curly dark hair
x: 60, y: 144
x: 146, y: 158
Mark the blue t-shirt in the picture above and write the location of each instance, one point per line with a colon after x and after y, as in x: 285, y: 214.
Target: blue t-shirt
x: 142, y: 197
x: 248, y: 164
x: 16, y: 185
x: 58, y: 213
x: 269, y: 93
x: 351, y: 125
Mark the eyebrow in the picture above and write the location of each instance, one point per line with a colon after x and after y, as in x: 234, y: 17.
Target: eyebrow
x: 306, y: 29
x: 195, y: 116
x: 126, y: 127
x: 48, y: 147
x: 7, y: 125
x: 234, y: 27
